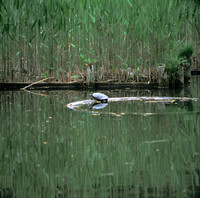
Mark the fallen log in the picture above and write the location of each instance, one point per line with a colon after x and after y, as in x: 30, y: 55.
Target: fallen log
x: 78, y: 104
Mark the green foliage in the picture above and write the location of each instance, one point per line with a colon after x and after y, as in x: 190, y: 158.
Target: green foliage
x: 197, y: 2
x: 76, y: 76
x: 87, y: 60
x: 173, y: 62
x: 186, y: 52
x: 53, y: 34
x: 173, y: 66
x: 45, y: 75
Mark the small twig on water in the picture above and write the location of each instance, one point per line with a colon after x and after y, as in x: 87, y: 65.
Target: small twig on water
x: 36, y: 83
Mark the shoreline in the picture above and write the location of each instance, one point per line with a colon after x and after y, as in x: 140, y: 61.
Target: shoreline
x: 79, y: 86
x: 82, y: 85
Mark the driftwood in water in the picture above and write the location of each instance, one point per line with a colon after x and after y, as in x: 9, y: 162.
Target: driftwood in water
x: 75, y: 105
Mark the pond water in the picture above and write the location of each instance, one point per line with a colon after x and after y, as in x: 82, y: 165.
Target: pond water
x: 127, y: 149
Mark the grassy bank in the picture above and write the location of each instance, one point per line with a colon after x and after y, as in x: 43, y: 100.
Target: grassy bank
x: 60, y: 37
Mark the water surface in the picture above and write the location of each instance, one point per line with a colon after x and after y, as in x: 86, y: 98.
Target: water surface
x: 127, y: 149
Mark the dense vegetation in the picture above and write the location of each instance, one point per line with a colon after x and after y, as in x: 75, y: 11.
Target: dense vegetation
x: 60, y: 37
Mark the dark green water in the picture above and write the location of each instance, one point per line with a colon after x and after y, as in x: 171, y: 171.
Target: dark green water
x: 129, y: 149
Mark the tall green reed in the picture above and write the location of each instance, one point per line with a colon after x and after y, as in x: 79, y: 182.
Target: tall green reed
x: 48, y: 37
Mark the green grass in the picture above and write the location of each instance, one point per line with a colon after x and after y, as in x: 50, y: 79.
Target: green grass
x: 51, y: 37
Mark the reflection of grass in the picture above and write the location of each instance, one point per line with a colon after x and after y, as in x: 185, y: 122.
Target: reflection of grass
x: 75, y: 154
